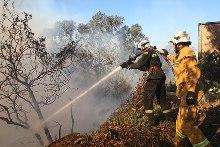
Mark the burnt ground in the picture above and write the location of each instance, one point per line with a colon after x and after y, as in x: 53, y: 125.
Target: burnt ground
x: 129, y: 127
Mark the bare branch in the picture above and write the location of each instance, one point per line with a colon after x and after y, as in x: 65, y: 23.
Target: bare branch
x: 60, y: 129
x: 9, y: 120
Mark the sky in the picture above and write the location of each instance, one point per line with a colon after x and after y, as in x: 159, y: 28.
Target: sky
x: 160, y: 19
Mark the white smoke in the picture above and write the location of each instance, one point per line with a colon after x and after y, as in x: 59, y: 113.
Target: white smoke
x: 93, y: 109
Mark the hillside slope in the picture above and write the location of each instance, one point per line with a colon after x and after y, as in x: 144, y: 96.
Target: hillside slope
x: 128, y: 126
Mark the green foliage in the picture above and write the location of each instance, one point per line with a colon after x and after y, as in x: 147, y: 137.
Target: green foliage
x: 210, y: 67
x: 136, y: 32
x: 102, y: 23
x: 65, y: 29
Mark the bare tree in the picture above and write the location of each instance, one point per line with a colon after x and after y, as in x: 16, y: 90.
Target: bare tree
x: 29, y: 76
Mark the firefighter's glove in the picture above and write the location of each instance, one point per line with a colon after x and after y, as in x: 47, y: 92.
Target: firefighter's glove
x: 191, y: 98
x: 131, y: 58
x: 124, y: 65
x: 165, y: 52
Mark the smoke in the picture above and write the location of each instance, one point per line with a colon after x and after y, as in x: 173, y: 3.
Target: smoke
x: 91, y: 110
x: 45, y: 13
x: 95, y: 107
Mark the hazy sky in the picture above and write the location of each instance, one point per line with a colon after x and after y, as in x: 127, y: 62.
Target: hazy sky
x: 159, y: 18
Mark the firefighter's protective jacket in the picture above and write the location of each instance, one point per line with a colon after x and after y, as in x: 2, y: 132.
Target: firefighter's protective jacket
x: 186, y: 70
x: 147, y: 60
x: 187, y: 75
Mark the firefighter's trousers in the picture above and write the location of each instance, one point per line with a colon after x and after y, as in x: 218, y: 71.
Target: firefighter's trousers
x: 186, y: 118
x: 185, y: 127
x: 152, y: 88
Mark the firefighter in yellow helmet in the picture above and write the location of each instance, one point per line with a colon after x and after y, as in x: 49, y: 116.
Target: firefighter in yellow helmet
x: 187, y: 75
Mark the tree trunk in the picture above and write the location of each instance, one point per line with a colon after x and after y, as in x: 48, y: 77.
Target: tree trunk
x: 72, y: 119
x: 39, y: 139
x: 60, y: 128
x: 40, y: 115
x: 47, y: 132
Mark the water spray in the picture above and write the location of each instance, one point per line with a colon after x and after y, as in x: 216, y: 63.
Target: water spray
x: 81, y: 95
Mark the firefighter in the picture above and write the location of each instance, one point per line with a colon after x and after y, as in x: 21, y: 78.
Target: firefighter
x: 153, y: 80
x: 187, y: 75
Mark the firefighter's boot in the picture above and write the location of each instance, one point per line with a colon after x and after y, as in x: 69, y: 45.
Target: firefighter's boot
x: 150, y: 117
x: 168, y: 115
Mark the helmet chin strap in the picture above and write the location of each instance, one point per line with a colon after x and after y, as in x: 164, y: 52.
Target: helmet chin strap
x: 177, y: 50
x: 147, y: 48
